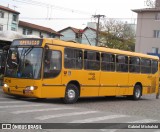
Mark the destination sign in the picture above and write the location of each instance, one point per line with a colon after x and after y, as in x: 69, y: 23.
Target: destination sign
x: 30, y: 42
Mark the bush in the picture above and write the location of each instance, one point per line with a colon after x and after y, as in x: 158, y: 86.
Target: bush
x: 1, y: 76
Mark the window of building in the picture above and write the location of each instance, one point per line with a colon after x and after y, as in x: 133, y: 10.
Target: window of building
x: 14, y: 18
x: 73, y: 58
x: 108, y: 62
x: 145, y: 65
x: 27, y: 31
x: 157, y: 16
x: 1, y: 14
x: 91, y: 60
x: 156, y: 33
x: 122, y: 63
x: 1, y: 27
x: 134, y: 64
x: 13, y: 29
x: 52, y: 63
x: 155, y: 50
x: 40, y: 35
x: 78, y: 35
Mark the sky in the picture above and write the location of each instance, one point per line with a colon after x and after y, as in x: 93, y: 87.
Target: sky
x: 59, y: 14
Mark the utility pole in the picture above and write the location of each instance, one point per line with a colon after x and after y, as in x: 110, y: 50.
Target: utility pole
x: 97, y: 32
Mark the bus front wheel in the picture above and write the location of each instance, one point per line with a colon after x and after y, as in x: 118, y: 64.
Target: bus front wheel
x: 137, y: 92
x: 71, y: 94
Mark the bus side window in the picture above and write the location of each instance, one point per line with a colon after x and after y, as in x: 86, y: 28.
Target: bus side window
x: 52, y: 66
x: 122, y: 63
x: 91, y: 60
x: 134, y: 64
x: 154, y: 66
x: 108, y: 62
x: 47, y: 60
x: 145, y: 65
x: 73, y: 58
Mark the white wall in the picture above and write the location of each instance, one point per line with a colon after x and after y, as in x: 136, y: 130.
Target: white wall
x: 68, y: 35
x: 7, y: 21
x: 91, y: 35
x: 35, y: 32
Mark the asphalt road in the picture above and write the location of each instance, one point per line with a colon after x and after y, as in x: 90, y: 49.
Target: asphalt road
x: 86, y: 110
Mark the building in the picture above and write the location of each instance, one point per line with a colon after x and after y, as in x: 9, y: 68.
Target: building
x: 11, y: 28
x: 71, y: 34
x: 89, y: 36
x: 86, y: 35
x: 148, y: 30
x: 8, y: 26
x: 26, y: 28
x: 8, y: 19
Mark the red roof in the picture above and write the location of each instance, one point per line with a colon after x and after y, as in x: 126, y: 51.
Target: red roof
x: 72, y: 28
x: 89, y: 29
x: 8, y: 9
x: 37, y: 27
x: 77, y: 30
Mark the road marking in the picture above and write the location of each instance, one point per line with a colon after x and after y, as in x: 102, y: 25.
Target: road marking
x: 16, y: 106
x: 98, y: 119
x: 3, y: 98
x: 64, y: 114
x: 39, y: 110
x: 8, y: 102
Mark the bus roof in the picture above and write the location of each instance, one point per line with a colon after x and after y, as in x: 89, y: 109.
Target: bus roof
x: 59, y: 42
x: 101, y: 49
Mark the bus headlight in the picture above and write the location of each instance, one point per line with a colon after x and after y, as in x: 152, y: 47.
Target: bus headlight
x: 31, y: 88
x: 6, y: 85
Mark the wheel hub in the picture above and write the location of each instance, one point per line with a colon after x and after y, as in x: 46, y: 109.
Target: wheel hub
x: 71, y: 94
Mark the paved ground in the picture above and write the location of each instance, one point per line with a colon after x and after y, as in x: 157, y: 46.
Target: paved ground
x: 86, y: 110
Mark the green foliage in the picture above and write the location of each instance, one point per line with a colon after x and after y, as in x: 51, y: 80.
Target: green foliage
x: 1, y: 76
x: 118, y: 35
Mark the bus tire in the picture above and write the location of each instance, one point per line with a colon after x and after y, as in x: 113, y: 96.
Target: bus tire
x: 71, y: 94
x: 18, y: 97
x: 40, y: 99
x: 137, y: 92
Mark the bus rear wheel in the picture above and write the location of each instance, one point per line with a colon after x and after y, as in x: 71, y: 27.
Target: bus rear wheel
x: 71, y: 94
x: 137, y: 92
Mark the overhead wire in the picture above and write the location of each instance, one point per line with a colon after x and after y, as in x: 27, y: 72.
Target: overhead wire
x: 32, y: 2
x: 55, y: 18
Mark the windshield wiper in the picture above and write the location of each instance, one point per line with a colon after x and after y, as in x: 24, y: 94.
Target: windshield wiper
x: 28, y: 51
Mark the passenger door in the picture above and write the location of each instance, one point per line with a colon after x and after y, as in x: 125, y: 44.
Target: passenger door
x: 52, y: 73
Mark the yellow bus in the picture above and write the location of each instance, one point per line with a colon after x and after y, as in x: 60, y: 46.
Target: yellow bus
x: 52, y: 68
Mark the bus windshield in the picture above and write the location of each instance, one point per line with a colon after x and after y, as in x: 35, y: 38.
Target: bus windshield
x: 24, y: 62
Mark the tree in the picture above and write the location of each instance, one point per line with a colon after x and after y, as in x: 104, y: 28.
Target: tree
x: 117, y: 34
x: 150, y: 3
